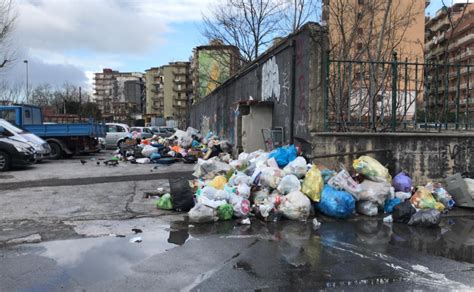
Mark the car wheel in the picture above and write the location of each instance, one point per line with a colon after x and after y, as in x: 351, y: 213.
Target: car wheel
x: 5, y: 161
x: 56, y: 151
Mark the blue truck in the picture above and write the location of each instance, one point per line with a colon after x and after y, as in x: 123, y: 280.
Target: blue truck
x: 64, y: 139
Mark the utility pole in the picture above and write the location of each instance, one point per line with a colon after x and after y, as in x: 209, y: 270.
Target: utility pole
x: 27, y: 89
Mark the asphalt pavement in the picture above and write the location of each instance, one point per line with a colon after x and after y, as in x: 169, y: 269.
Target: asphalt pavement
x: 70, y: 228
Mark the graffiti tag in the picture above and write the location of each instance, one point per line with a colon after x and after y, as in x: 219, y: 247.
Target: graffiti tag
x: 270, y: 80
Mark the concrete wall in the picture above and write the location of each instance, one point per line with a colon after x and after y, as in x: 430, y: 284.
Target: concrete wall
x: 289, y: 74
x: 425, y: 156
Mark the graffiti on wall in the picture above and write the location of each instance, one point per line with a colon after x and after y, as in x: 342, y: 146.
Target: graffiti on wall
x: 301, y: 111
x: 270, y: 80
x: 205, y: 125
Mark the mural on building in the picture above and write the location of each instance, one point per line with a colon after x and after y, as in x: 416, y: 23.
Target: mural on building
x: 214, y: 69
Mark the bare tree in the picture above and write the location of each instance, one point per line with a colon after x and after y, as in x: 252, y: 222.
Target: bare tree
x: 250, y: 25
x: 295, y: 13
x: 10, y: 93
x: 7, y: 21
x: 367, y: 32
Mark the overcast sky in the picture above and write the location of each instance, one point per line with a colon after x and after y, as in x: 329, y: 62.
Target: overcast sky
x: 68, y: 40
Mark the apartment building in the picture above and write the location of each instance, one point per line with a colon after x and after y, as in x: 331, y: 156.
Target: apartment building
x: 212, y: 65
x: 119, y: 95
x: 454, y: 46
x: 169, y: 93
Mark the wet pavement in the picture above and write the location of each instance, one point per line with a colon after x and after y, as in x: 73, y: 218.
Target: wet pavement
x: 288, y: 255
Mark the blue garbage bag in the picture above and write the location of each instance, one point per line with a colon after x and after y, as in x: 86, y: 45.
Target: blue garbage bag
x: 334, y: 203
x: 390, y: 204
x: 284, y: 155
x: 155, y: 156
x: 327, y: 174
x: 195, y: 144
x: 402, y: 182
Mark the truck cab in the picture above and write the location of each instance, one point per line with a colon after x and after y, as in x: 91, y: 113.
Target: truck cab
x: 64, y: 139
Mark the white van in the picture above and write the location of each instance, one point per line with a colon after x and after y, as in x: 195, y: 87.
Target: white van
x: 41, y: 147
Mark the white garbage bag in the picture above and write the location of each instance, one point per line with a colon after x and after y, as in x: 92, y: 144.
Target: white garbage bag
x: 297, y: 167
x: 288, y: 184
x: 367, y: 208
x: 376, y: 192
x: 295, y: 206
x: 149, y: 150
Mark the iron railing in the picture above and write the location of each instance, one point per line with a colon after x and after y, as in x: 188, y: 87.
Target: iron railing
x: 397, y: 96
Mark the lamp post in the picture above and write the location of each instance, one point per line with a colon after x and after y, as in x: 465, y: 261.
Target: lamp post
x: 27, y: 89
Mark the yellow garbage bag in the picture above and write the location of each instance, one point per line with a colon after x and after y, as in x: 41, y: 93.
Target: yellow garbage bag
x: 218, y: 182
x: 423, y: 199
x: 372, y: 169
x: 313, y: 184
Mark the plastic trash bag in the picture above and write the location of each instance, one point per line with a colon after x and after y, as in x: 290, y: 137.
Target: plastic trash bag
x: 210, y: 203
x: 260, y: 196
x: 313, y: 184
x: 327, y: 174
x: 148, y: 150
x: 372, y: 169
x: 403, y: 196
x: 440, y: 194
x: 240, y: 205
x: 181, y: 195
x: 367, y: 208
x: 210, y: 168
x: 288, y: 184
x: 202, y: 214
x: 165, y: 202
x: 270, y: 177
x: 240, y: 178
x: 402, y: 182
x: 334, y: 203
x: 218, y: 182
x: 295, y: 206
x: 214, y: 194
x: 297, y: 167
x: 376, y: 192
x: 284, y: 155
x: 425, y: 218
x: 155, y: 156
x: 403, y: 212
x: 423, y: 199
x: 243, y: 191
x: 225, y: 212
x: 143, y: 160
x: 390, y: 204
x: 344, y: 181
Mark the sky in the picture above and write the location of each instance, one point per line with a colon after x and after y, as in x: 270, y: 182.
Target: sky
x: 69, y: 40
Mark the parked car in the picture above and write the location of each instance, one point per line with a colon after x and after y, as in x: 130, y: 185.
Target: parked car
x: 42, y: 148
x: 145, y: 132
x: 163, y: 131
x: 14, y: 151
x: 116, y: 134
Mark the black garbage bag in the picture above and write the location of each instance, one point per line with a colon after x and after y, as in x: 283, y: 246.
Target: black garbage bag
x: 181, y: 195
x: 425, y: 218
x: 402, y: 212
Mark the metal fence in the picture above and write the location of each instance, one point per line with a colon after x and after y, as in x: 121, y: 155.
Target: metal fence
x: 398, y: 96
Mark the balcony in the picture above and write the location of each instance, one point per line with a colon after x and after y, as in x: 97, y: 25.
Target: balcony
x: 462, y: 56
x: 462, y: 41
x: 440, y: 25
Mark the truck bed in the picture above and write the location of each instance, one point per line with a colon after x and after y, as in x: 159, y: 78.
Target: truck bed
x: 68, y: 130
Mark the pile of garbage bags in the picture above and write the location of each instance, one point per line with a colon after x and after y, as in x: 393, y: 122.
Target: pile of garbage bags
x: 282, y: 184
x: 186, y: 146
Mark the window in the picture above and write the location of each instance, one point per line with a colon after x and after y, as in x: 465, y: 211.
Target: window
x: 360, y: 2
x: 121, y: 129
x: 27, y: 114
x: 111, y: 129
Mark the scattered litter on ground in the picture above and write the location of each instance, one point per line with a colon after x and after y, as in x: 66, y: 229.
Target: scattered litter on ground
x: 137, y: 239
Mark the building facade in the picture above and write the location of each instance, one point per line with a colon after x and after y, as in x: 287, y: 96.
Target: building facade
x: 445, y: 45
x: 212, y: 65
x: 120, y: 96
x: 169, y: 93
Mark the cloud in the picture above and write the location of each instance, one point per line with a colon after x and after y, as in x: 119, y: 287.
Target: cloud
x: 108, y: 26
x: 40, y: 72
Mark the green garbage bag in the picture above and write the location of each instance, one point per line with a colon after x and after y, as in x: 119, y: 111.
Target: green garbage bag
x: 225, y: 212
x: 165, y: 202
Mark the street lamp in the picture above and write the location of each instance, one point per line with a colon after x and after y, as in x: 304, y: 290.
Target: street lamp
x: 27, y: 93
